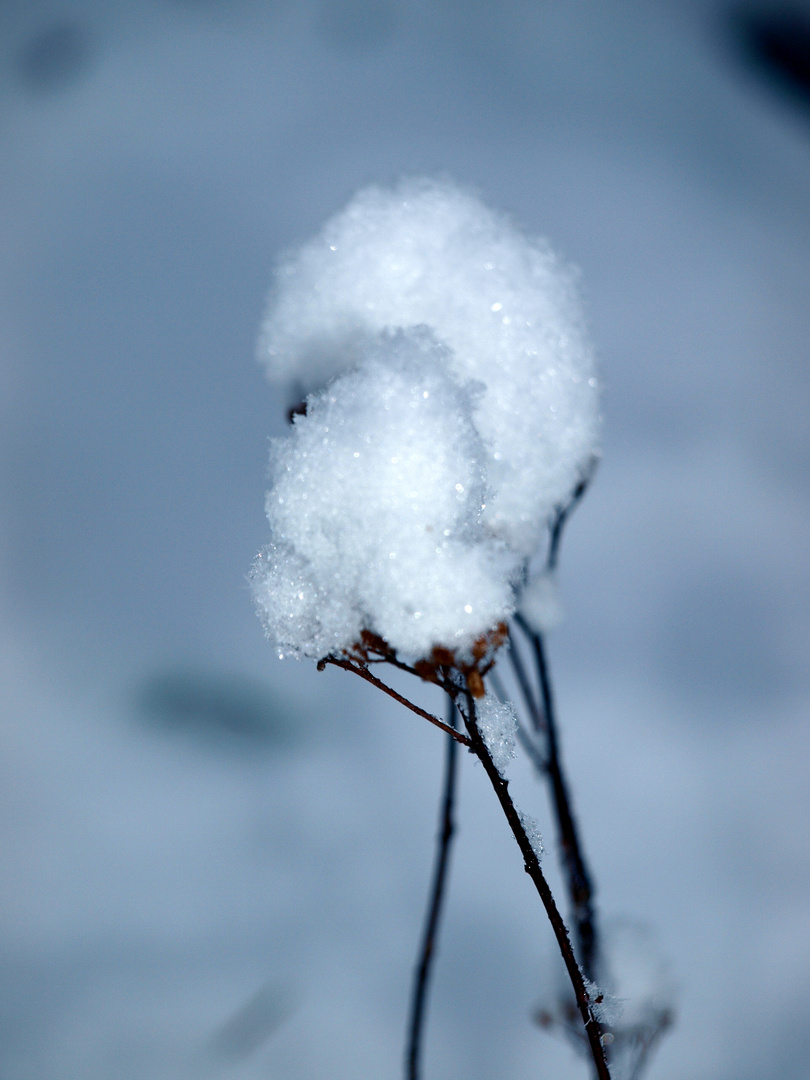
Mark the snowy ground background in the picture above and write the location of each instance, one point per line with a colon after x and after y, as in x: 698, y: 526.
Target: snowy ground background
x: 214, y: 864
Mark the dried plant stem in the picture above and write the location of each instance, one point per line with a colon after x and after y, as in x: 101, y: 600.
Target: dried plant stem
x: 474, y: 740
x: 427, y: 950
x: 577, y: 876
x: 361, y: 670
x: 532, y: 866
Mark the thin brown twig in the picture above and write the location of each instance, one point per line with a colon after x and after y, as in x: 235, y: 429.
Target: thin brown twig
x: 364, y: 673
x: 531, y: 862
x: 534, y: 709
x: 564, y: 512
x: 427, y: 950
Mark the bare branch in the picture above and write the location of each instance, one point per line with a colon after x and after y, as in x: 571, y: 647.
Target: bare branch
x: 592, y: 1027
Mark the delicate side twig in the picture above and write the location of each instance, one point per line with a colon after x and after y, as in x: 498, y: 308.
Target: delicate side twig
x: 428, y: 947
x: 533, y: 708
x: 593, y: 1029
x: 364, y: 673
x: 578, y: 878
x: 564, y: 512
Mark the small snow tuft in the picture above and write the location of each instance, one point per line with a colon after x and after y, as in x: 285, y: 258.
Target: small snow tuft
x: 532, y: 830
x: 497, y: 723
x: 605, y: 1008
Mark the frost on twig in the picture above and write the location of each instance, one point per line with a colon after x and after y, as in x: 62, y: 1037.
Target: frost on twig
x: 532, y: 830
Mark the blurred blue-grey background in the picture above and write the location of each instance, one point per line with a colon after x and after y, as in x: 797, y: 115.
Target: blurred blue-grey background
x: 214, y: 863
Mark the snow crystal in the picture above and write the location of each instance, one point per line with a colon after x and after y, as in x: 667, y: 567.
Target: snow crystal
x: 497, y: 723
x: 430, y: 253
x: 606, y: 1008
x: 375, y: 513
x: 532, y: 830
x: 462, y: 409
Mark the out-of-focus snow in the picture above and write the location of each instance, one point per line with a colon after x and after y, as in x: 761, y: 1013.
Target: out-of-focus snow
x: 540, y: 603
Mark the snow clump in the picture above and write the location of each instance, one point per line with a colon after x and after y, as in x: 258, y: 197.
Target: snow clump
x: 452, y: 409
x: 533, y: 834
x: 375, y: 513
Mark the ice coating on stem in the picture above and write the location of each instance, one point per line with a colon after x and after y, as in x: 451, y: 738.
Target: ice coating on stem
x: 540, y: 603
x: 430, y: 253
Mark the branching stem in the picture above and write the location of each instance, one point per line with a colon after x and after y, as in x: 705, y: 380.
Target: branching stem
x: 532, y: 866
x: 578, y: 879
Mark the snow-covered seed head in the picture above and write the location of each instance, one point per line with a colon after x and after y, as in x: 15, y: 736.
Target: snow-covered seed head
x: 451, y: 407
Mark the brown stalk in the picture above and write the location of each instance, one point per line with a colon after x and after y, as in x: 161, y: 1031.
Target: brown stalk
x: 593, y: 1029
x: 464, y: 689
x: 359, y: 669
